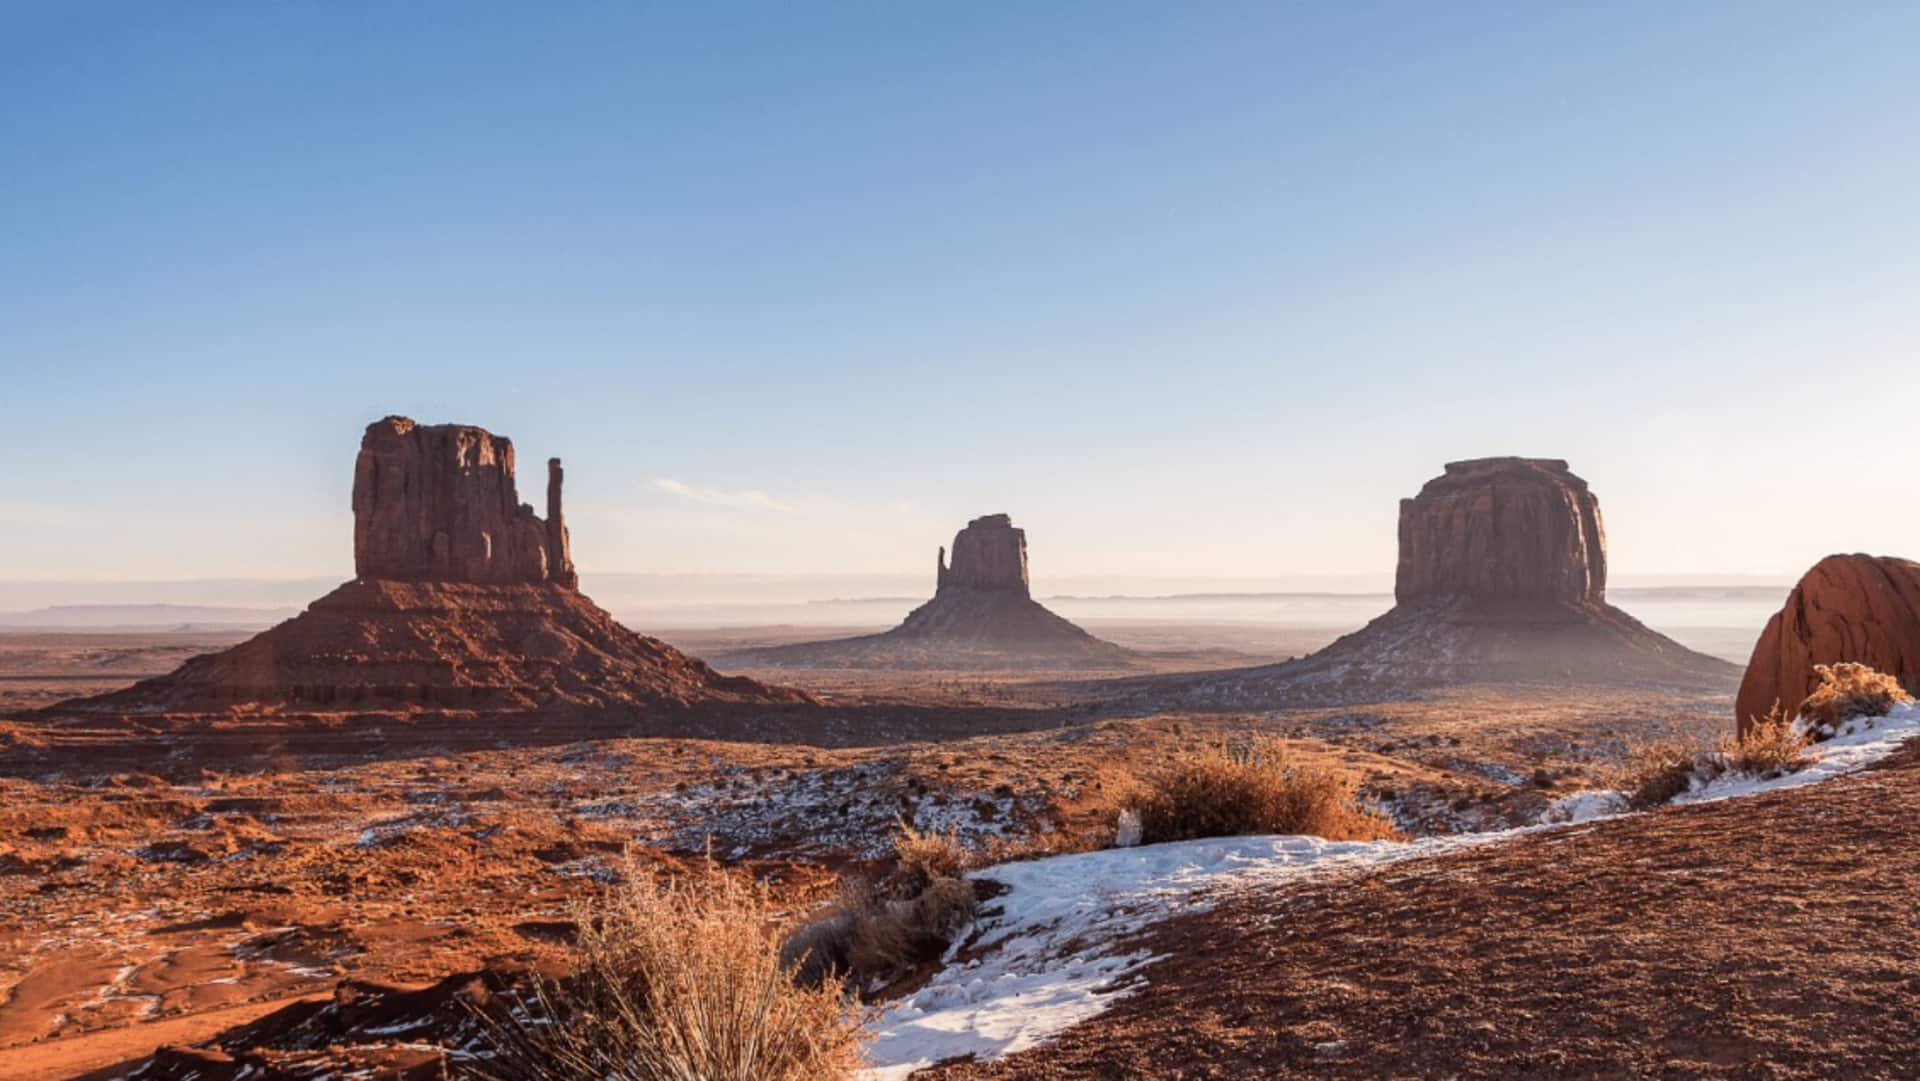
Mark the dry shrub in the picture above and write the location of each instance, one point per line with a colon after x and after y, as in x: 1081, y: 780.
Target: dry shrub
x: 1657, y: 770
x: 870, y: 936
x: 678, y: 980
x: 1220, y: 792
x: 1771, y: 746
x: 1848, y: 692
x: 931, y: 855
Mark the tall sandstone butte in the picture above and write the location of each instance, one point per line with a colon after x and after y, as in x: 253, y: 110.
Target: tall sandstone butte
x: 989, y: 554
x: 437, y: 503
x: 1503, y: 529
x: 464, y: 599
x: 982, y: 615
x: 1502, y: 578
x: 1859, y: 608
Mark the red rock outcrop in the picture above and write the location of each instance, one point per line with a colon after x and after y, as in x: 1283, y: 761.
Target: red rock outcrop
x: 1502, y: 529
x: 1859, y: 608
x: 982, y: 616
x: 437, y: 503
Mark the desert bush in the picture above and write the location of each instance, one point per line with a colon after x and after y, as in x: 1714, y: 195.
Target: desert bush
x: 679, y: 980
x: 931, y: 855
x: 1220, y: 792
x: 1848, y: 692
x: 871, y: 935
x: 1771, y: 746
x: 1656, y: 771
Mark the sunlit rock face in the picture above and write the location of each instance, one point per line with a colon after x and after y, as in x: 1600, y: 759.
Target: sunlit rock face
x: 437, y: 503
x: 1859, y: 608
x: 1502, y: 529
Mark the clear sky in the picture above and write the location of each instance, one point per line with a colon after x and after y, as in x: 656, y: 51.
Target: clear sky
x: 1188, y: 288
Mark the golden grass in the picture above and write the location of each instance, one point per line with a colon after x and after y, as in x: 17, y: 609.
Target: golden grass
x: 1655, y: 771
x: 680, y: 980
x: 1221, y: 792
x: 1847, y: 692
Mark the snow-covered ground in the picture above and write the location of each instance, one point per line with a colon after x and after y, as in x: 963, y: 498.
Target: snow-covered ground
x: 1047, y: 954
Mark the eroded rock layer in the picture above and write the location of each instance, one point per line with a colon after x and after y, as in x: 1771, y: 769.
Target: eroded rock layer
x: 1859, y: 608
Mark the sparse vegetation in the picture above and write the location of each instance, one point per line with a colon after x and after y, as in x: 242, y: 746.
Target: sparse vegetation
x: 1771, y: 746
x: 1657, y: 772
x: 1221, y: 791
x: 678, y: 980
x: 931, y: 855
x: 1848, y: 692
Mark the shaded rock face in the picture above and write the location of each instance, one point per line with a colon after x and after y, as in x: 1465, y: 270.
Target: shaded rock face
x: 1857, y: 608
x: 990, y: 554
x: 437, y: 503
x: 1502, y: 529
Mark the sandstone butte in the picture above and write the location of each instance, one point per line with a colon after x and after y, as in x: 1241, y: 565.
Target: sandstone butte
x: 1501, y: 578
x: 464, y: 599
x: 1859, y: 608
x: 982, y: 615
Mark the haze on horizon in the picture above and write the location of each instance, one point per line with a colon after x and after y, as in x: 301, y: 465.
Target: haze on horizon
x: 1190, y: 292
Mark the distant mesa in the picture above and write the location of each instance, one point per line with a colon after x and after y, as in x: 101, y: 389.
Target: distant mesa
x: 982, y: 616
x: 1502, y: 578
x: 465, y: 599
x: 1859, y: 608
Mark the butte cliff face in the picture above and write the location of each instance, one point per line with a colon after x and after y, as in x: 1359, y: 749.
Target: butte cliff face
x: 1501, y: 578
x: 437, y: 503
x: 1859, y: 608
x: 1502, y: 529
x: 982, y: 616
x: 465, y: 599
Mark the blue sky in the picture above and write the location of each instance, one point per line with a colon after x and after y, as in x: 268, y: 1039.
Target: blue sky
x: 1193, y: 289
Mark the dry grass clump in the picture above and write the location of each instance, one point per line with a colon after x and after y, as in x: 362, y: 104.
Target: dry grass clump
x: 874, y: 933
x: 931, y: 855
x: 1222, y: 792
x: 680, y: 980
x: 1657, y: 770
x: 1772, y: 746
x: 1848, y: 692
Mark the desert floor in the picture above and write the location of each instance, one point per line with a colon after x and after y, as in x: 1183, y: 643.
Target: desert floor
x: 156, y: 885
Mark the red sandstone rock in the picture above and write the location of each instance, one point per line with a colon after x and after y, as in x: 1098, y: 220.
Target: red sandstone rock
x: 1859, y: 608
x: 437, y: 503
x: 1503, y: 529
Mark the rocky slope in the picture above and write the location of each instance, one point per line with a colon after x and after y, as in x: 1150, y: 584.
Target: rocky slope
x: 1857, y: 608
x: 1718, y: 940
